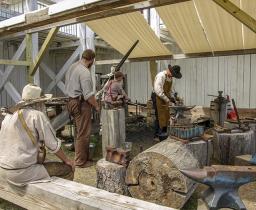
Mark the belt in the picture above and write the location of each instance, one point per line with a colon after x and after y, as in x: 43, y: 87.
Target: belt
x: 80, y: 98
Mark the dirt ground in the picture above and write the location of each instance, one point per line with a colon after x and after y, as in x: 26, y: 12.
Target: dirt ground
x: 142, y: 137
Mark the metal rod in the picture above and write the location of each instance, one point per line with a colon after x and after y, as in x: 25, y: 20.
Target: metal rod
x: 237, y: 116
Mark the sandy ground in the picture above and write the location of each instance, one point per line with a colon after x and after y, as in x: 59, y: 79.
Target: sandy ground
x: 141, y: 136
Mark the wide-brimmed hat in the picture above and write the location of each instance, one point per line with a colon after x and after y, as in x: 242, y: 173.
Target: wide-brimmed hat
x: 31, y: 94
x: 175, y: 70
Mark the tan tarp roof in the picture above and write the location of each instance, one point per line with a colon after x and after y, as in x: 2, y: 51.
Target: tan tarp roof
x: 197, y: 26
x: 201, y: 25
x: 182, y: 22
x: 122, y: 31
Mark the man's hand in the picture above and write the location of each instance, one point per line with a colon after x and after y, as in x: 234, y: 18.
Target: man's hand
x: 97, y: 108
x: 71, y: 164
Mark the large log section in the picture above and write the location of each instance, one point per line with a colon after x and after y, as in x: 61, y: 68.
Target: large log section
x: 42, y: 20
x: 153, y: 175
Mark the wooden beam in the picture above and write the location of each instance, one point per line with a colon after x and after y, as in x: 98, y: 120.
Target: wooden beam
x: 239, y: 14
x: 153, y: 71
x: 194, y: 55
x: 11, y: 90
x: 52, y: 75
x: 63, y: 70
x: 5, y: 76
x: 43, y: 49
x: 42, y: 20
x: 64, y: 194
x: 179, y: 56
x: 29, y: 49
x: 14, y: 62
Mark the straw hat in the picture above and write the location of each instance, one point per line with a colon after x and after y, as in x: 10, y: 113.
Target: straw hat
x: 32, y: 94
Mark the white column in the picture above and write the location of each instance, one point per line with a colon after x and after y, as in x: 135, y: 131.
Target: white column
x: 31, y: 5
x: 86, y: 36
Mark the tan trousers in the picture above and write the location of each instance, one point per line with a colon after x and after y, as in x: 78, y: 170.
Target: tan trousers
x: 59, y: 169
x: 81, y: 112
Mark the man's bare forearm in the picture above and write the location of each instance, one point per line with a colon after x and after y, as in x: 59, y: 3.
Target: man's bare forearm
x: 93, y: 102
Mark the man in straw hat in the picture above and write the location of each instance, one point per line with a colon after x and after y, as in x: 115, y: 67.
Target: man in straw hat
x: 161, y: 98
x: 79, y: 89
x: 24, y: 136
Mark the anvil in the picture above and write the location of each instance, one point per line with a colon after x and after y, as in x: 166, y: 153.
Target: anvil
x: 224, y: 182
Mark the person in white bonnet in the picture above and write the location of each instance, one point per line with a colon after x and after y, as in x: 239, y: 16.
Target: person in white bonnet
x: 24, y: 136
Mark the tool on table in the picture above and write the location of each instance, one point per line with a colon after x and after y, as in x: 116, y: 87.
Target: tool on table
x: 218, y: 108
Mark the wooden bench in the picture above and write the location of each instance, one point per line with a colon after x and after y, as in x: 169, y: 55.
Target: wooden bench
x: 63, y: 194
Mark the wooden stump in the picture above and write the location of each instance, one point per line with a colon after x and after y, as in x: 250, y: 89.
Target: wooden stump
x: 153, y: 175
x: 111, y: 177
x: 202, y: 151
x: 113, y: 128
x: 243, y: 160
x: 228, y: 145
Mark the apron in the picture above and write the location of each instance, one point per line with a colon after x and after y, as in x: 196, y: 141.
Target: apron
x: 163, y: 107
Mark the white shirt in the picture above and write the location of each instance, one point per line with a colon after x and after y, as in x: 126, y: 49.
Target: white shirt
x: 18, y: 151
x: 160, y: 79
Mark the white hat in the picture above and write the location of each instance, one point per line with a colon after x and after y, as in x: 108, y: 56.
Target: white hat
x: 31, y: 94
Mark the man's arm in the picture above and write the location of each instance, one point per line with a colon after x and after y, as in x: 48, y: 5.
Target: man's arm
x: 92, y: 100
x: 48, y: 135
x: 158, y: 88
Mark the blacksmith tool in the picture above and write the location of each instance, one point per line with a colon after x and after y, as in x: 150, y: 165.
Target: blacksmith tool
x: 118, y: 156
x: 179, y: 110
x: 224, y: 182
x: 237, y: 115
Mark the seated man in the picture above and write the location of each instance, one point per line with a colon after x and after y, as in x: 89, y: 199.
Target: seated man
x: 24, y: 136
x: 114, y: 94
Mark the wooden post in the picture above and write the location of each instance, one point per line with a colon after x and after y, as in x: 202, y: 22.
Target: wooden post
x: 43, y: 49
x: 113, y: 128
x: 229, y: 145
x: 153, y: 71
x: 111, y: 177
x: 29, y: 57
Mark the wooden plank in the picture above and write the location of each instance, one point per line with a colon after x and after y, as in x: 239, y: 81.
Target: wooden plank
x: 232, y: 75
x: 29, y: 56
x: 14, y: 62
x: 41, y: 20
x: 221, y: 74
x: 64, y: 194
x: 237, y: 13
x: 246, y: 82
x: 153, y: 71
x: 253, y: 83
x: 240, y: 81
x: 43, y: 49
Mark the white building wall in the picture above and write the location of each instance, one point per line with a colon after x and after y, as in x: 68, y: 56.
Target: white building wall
x: 234, y: 75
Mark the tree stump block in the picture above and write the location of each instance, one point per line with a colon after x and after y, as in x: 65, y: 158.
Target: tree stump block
x: 154, y: 174
x: 113, y: 128
x: 229, y: 145
x: 111, y: 177
x: 202, y: 151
